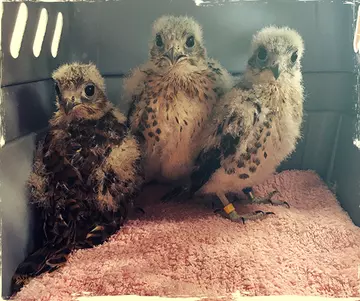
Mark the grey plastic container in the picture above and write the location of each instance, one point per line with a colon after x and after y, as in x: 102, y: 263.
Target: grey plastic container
x: 115, y: 36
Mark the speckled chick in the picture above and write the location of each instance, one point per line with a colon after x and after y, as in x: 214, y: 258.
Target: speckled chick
x: 172, y: 97
x: 256, y: 125
x: 86, y: 174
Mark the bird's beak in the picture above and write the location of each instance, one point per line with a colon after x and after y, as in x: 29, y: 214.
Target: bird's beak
x: 69, y: 105
x: 170, y: 54
x: 173, y: 56
x: 275, y: 70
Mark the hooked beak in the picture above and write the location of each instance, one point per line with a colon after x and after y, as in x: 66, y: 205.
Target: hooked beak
x: 69, y: 105
x: 275, y: 71
x: 174, y: 57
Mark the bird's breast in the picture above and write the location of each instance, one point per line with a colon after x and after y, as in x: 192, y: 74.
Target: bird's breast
x: 171, y: 115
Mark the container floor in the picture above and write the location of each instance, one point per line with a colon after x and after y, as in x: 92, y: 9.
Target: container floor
x: 175, y: 250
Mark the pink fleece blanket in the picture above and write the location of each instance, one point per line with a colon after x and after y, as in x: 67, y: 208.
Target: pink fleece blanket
x: 313, y: 248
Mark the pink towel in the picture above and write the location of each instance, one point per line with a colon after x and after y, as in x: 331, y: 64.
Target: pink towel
x: 313, y: 248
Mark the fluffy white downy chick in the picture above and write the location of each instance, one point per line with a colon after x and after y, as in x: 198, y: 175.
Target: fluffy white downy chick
x: 172, y: 97
x: 256, y: 125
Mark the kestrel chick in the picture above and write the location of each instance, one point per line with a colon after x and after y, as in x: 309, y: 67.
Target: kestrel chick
x: 86, y: 173
x: 256, y: 125
x: 172, y: 97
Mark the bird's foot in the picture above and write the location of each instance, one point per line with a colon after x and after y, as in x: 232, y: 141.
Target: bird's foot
x: 177, y: 194
x: 18, y: 281
x: 57, y: 260
x: 230, y: 213
x: 267, y: 200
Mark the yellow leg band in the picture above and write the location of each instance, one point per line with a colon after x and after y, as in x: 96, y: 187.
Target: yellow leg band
x: 229, y: 208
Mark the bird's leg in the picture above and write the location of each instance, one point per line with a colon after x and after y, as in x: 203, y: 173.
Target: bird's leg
x: 230, y: 211
x: 265, y: 200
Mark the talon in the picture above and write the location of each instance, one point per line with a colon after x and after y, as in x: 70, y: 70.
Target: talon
x: 279, y: 203
x: 272, y: 193
x: 267, y: 200
x: 235, y: 217
x: 98, y: 228
x: 94, y: 235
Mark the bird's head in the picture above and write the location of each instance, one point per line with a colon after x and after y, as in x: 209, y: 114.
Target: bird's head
x: 176, y: 40
x: 276, y: 52
x: 80, y: 91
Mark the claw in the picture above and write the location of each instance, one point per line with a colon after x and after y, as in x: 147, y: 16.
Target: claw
x: 18, y: 281
x: 279, y: 203
x: 95, y: 233
x: 235, y: 217
x: 267, y: 200
x: 98, y: 228
x: 272, y: 193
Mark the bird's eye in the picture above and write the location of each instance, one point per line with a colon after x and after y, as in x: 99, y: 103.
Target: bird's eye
x: 294, y: 57
x: 158, y: 40
x: 262, y: 54
x: 190, y: 42
x: 89, y: 90
x: 57, y: 89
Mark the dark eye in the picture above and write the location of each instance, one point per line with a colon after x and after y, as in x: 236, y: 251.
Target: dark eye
x: 190, y: 42
x: 57, y: 89
x: 89, y: 90
x: 262, y: 54
x: 294, y: 57
x: 159, y: 41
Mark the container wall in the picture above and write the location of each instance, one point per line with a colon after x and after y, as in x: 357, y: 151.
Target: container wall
x: 28, y: 102
x: 115, y: 36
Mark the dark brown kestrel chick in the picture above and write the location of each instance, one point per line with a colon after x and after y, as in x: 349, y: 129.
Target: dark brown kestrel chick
x: 86, y: 174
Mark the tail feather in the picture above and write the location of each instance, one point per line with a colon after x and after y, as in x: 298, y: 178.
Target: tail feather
x: 46, y: 259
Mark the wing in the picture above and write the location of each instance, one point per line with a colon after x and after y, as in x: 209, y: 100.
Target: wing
x: 118, y: 178
x: 209, y: 161
x: 235, y: 118
x: 205, y: 166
